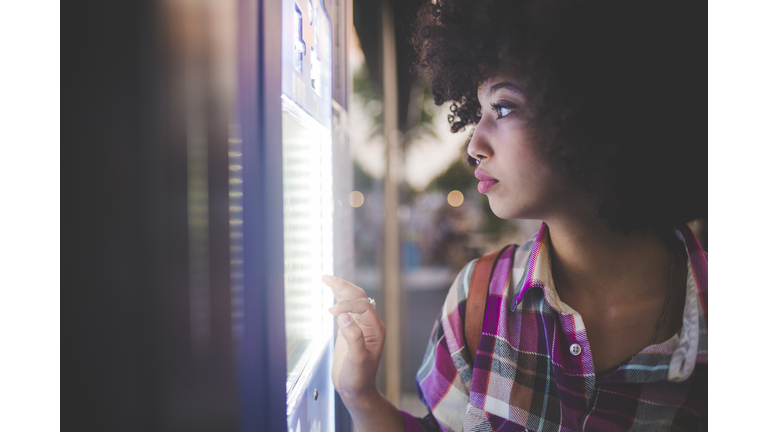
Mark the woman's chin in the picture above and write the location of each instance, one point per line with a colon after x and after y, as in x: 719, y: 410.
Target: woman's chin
x: 503, y: 211
x: 511, y: 210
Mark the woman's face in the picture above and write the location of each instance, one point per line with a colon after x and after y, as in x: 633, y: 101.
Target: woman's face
x: 519, y: 182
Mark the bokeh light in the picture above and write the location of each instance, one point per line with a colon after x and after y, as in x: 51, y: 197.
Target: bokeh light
x: 455, y: 198
x: 356, y: 199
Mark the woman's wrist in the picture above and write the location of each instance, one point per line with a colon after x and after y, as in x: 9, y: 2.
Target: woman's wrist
x: 363, y: 400
x: 373, y: 412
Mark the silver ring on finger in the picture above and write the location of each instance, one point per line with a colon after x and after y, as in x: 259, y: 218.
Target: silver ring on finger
x: 372, y: 302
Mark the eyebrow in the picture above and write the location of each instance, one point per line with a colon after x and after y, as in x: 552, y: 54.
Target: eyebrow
x: 507, y: 85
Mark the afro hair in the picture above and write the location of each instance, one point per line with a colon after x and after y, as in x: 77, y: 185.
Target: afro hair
x: 617, y: 92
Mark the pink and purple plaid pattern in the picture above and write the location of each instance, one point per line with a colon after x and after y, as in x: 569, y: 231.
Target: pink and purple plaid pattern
x: 525, y: 376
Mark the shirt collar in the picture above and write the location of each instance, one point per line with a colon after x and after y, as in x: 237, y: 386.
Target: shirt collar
x: 688, y: 348
x: 538, y: 273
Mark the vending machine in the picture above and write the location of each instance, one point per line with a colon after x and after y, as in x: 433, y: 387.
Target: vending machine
x: 213, y: 176
x: 308, y: 207
x: 296, y: 225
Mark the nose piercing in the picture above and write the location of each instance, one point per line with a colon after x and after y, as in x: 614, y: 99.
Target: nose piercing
x: 474, y: 163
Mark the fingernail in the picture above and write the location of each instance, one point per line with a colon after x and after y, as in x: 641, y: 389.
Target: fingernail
x: 345, y: 319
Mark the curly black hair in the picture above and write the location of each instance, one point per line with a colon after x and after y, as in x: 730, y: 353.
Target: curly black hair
x: 616, y: 92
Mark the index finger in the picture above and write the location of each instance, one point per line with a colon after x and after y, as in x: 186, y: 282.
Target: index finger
x: 344, y: 290
x: 361, y: 307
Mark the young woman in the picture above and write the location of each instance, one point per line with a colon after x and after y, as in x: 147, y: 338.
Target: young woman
x: 590, y: 116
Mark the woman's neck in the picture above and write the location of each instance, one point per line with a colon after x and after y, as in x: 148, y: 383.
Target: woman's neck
x: 591, y: 261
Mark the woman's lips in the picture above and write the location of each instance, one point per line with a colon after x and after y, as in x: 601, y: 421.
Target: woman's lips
x: 485, y: 185
x: 486, y: 181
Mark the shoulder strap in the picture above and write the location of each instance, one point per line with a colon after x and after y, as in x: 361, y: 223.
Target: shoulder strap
x: 477, y: 299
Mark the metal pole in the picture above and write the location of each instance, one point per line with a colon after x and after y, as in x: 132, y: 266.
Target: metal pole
x: 391, y: 234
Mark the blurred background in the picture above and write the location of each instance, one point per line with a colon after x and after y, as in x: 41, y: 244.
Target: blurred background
x: 227, y: 153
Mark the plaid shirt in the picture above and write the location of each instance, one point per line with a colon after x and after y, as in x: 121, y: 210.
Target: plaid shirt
x: 525, y: 376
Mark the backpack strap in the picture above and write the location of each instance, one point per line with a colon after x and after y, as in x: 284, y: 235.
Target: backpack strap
x: 477, y: 299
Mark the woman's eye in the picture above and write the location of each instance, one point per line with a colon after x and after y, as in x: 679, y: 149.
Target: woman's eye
x: 501, y: 111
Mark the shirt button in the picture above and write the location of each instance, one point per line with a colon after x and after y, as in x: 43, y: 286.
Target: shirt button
x: 575, y: 349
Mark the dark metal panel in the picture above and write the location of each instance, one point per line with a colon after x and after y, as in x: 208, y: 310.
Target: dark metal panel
x: 197, y: 354
x: 338, y: 12
x: 262, y: 346
x: 343, y: 222
x: 103, y: 372
x: 130, y: 362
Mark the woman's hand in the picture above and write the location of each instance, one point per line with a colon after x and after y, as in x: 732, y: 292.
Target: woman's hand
x: 358, y: 352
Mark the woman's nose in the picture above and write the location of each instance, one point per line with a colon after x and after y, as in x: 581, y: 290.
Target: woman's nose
x: 478, y: 147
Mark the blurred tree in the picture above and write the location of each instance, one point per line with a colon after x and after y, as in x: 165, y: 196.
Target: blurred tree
x: 361, y: 181
x: 459, y: 176
x: 369, y: 91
